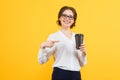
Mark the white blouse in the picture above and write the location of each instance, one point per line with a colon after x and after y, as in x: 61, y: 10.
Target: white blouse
x: 66, y: 56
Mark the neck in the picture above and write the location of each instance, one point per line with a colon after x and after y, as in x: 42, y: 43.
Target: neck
x: 66, y: 30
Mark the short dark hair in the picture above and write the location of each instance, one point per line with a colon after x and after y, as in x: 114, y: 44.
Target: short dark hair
x: 67, y: 8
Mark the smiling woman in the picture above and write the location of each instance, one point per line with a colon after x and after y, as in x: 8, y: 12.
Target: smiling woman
x: 67, y: 12
x: 67, y: 59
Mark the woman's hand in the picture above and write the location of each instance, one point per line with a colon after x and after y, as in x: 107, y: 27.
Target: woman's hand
x: 82, y: 48
x: 48, y: 44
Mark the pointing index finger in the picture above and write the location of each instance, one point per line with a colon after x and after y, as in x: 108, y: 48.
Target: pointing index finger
x: 55, y: 41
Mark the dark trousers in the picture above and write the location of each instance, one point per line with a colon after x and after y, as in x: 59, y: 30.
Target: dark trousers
x: 60, y: 74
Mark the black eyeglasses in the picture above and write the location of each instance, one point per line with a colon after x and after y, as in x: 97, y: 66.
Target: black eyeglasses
x: 67, y: 16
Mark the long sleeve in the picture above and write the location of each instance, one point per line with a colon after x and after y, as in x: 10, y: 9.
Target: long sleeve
x: 82, y: 59
x: 44, y: 54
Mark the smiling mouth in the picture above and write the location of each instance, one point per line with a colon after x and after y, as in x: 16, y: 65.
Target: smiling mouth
x: 66, y: 22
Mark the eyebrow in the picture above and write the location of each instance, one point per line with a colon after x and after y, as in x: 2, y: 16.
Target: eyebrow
x: 68, y: 15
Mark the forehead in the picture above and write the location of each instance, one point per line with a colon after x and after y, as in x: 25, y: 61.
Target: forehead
x: 68, y: 12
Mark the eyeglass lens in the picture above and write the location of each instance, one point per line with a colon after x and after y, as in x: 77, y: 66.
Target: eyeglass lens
x: 67, y: 16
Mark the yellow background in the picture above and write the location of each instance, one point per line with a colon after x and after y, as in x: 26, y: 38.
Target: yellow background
x: 24, y: 24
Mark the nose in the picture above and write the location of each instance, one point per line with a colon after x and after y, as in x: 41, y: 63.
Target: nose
x: 67, y: 18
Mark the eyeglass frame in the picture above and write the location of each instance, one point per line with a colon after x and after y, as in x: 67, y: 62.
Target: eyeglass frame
x: 70, y: 17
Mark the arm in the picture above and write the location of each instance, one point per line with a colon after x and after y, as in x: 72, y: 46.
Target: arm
x: 44, y: 54
x: 81, y: 57
x: 46, y: 50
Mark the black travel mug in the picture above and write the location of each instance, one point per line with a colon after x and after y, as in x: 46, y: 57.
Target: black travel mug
x: 78, y: 40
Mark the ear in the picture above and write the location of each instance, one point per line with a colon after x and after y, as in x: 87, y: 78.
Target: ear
x: 73, y: 21
x: 59, y: 19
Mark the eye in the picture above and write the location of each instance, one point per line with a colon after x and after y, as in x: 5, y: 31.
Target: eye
x: 64, y: 15
x: 71, y: 17
x: 67, y: 16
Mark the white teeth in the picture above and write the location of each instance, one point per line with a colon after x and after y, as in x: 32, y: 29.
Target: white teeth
x: 66, y: 22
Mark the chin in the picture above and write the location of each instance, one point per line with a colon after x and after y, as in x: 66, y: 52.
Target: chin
x: 68, y: 25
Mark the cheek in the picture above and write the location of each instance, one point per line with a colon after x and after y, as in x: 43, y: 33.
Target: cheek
x: 61, y: 21
x: 72, y: 21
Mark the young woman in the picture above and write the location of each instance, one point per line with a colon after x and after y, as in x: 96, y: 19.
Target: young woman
x: 67, y: 59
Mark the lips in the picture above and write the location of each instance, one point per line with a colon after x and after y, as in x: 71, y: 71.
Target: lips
x: 66, y: 22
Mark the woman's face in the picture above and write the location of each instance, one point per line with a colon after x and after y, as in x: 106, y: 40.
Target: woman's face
x: 67, y: 18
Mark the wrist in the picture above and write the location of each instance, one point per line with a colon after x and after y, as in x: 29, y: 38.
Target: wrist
x: 42, y: 47
x: 84, y: 53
